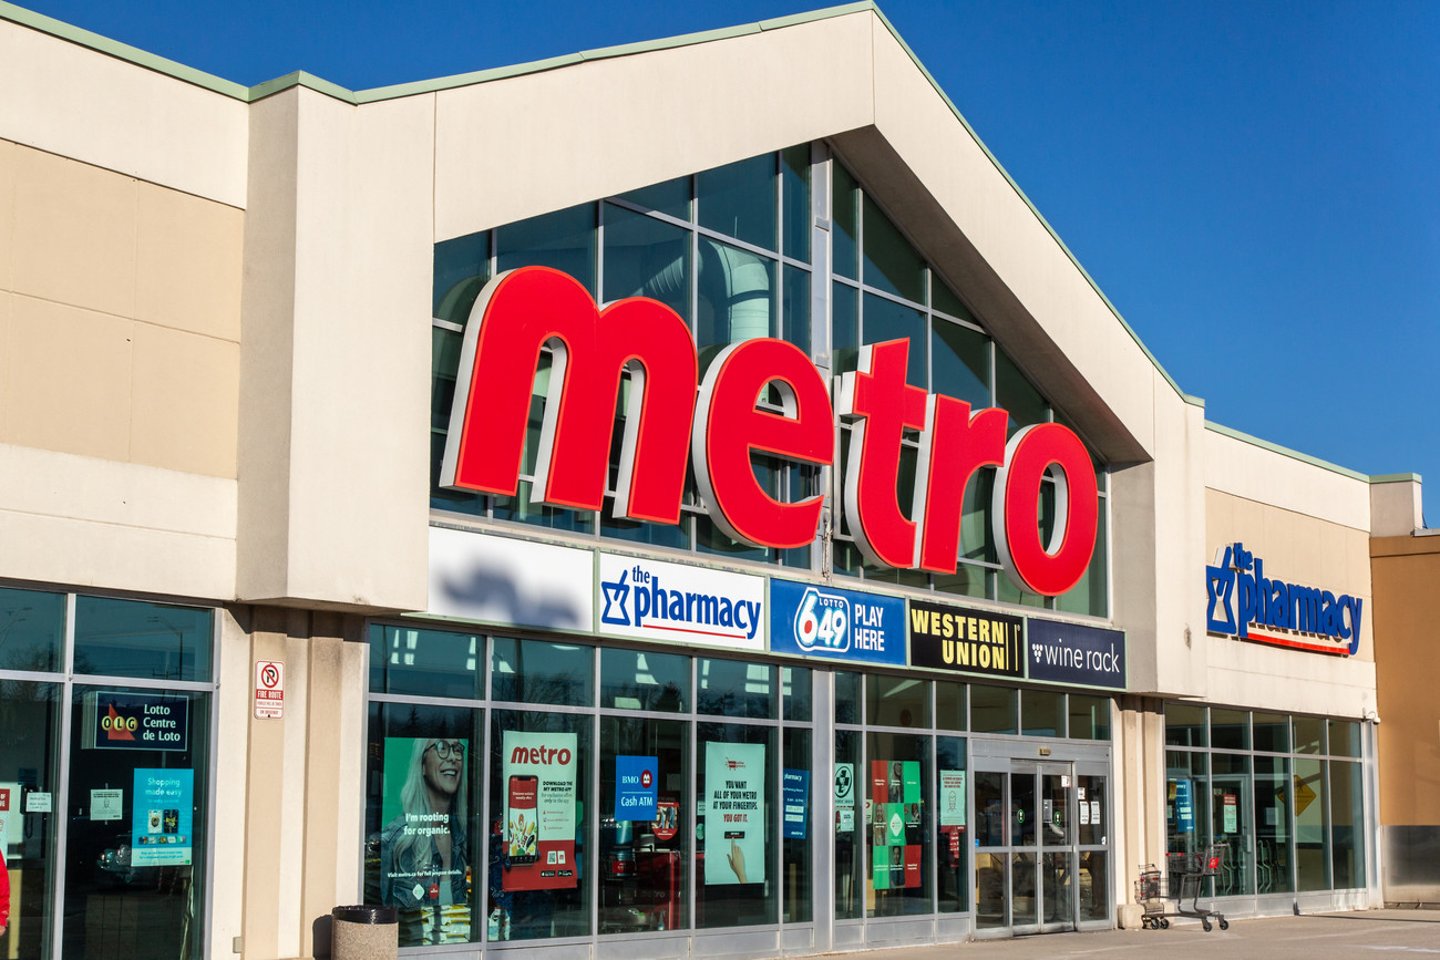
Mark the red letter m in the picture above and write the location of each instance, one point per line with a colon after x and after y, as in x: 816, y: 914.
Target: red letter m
x: 518, y: 314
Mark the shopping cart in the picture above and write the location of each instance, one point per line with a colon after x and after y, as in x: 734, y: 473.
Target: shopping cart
x: 1162, y: 897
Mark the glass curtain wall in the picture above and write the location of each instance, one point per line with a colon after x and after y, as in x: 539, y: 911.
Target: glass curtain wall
x: 735, y: 253
x: 105, y: 708
x: 1283, y: 792
x: 693, y: 813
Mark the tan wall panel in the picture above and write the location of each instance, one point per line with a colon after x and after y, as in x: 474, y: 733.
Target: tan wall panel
x: 185, y: 401
x: 100, y: 109
x: 74, y: 233
x: 1406, y: 571
x: 189, y: 259
x: 8, y: 151
x: 607, y: 126
x: 65, y: 379
x: 1296, y: 549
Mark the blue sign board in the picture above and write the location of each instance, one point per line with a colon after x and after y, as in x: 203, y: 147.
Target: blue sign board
x: 161, y: 819
x: 636, y: 787
x: 796, y: 794
x: 1071, y: 653
x: 1184, y: 806
x: 839, y: 624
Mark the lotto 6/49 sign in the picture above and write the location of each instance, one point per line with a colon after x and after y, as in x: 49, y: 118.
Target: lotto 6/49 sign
x: 669, y: 425
x: 841, y: 624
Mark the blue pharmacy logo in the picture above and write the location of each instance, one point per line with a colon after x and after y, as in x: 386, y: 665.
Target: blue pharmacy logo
x: 615, y: 593
x: 1240, y: 596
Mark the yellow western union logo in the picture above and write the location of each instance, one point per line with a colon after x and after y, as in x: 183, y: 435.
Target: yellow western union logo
x: 966, y: 639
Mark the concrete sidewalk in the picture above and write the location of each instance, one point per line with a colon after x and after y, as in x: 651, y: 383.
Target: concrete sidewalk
x: 1370, y: 933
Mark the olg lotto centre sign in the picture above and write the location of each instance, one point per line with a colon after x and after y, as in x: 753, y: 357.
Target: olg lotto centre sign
x: 669, y: 425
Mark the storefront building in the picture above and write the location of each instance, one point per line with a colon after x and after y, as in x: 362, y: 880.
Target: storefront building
x: 802, y: 554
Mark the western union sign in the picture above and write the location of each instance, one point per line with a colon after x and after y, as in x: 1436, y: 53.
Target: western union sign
x: 967, y: 641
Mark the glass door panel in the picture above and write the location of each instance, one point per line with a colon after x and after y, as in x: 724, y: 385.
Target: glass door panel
x: 1022, y: 808
x: 134, y: 879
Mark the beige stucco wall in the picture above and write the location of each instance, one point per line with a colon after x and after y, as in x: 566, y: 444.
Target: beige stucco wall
x: 1406, y: 570
x: 335, y: 377
x: 291, y: 789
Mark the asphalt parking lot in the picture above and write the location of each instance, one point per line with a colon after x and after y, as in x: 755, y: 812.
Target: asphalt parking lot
x: 1373, y: 933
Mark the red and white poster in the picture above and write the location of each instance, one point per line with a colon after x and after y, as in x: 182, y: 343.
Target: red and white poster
x: 539, y: 785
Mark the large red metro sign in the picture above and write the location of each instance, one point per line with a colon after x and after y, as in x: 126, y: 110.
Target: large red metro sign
x: 667, y: 423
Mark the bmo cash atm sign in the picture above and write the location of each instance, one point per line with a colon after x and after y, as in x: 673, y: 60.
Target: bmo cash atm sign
x: 840, y: 624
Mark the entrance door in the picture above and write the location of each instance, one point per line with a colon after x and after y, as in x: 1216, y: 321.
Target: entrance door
x: 1040, y: 857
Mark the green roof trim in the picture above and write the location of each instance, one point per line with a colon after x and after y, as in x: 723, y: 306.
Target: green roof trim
x: 1396, y: 478
x: 121, y: 51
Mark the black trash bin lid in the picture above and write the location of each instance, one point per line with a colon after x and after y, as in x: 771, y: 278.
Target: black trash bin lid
x: 366, y: 914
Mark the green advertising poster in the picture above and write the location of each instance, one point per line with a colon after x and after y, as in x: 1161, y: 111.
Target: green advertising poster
x: 910, y: 772
x: 880, y: 864
x: 423, y: 847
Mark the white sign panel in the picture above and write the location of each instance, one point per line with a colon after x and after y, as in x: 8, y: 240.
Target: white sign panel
x: 37, y: 802
x: 653, y: 600
x: 107, y: 804
x: 735, y: 805
x: 269, y: 690
x: 489, y: 579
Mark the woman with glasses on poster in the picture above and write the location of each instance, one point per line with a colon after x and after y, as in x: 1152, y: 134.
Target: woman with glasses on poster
x: 424, y: 852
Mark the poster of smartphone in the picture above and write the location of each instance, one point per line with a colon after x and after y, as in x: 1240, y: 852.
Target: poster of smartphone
x: 522, y: 831
x: 541, y: 816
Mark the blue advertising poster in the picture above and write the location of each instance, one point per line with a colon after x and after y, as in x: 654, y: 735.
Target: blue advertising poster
x: 1184, y: 807
x: 1071, y: 653
x: 161, y: 834
x: 835, y: 623
x: 636, y: 785
x: 796, y: 795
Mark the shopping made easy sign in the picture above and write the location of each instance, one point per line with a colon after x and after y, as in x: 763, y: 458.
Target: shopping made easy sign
x: 655, y: 600
x: 818, y: 621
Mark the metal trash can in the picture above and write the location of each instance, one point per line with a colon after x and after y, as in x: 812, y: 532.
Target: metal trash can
x: 364, y: 933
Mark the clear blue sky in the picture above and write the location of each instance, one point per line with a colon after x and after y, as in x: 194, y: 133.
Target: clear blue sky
x: 1256, y: 185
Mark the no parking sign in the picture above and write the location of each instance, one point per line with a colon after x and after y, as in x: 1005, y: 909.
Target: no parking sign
x: 269, y: 689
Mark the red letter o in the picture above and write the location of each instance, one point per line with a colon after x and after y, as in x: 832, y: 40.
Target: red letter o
x: 1050, y: 568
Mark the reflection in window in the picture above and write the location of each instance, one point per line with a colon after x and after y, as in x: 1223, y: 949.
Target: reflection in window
x: 130, y: 638
x: 891, y: 264
x: 564, y: 240
x: 32, y: 626
x: 738, y: 200
x: 644, y: 680
x: 462, y: 267
x: 539, y: 671
x: 435, y: 663
x: 645, y: 257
